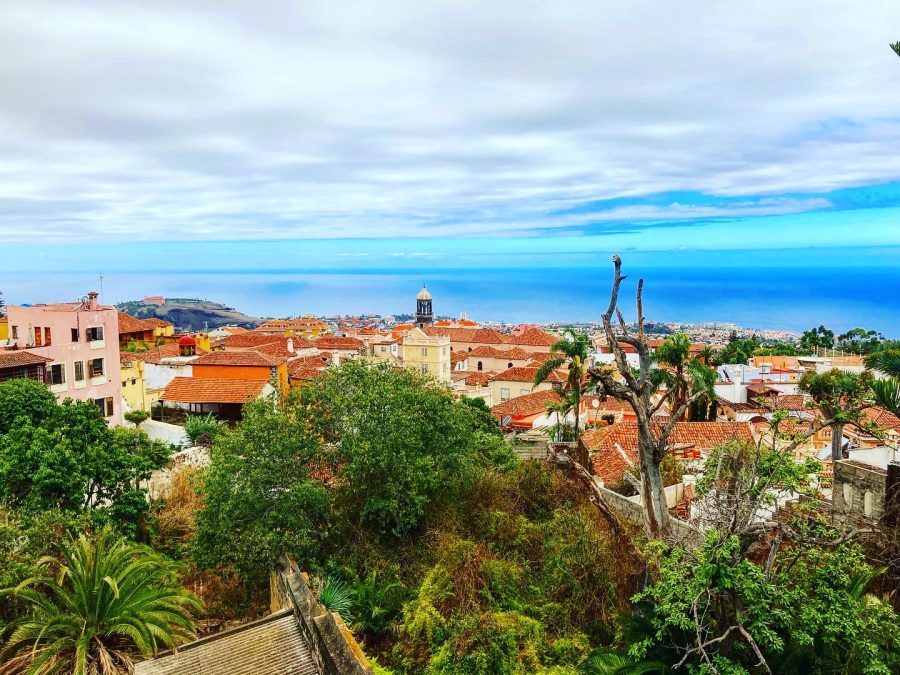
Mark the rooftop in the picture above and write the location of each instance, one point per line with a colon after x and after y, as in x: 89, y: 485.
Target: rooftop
x: 251, y: 358
x: 212, y: 390
x: 19, y: 358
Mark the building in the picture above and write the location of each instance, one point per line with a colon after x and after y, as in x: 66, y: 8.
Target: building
x: 307, y: 327
x: 424, y: 313
x: 514, y: 382
x: 81, y: 339
x: 163, y: 364
x: 134, y: 385
x: 427, y: 353
x: 491, y: 358
x: 154, y: 300
x: 20, y: 364
x: 341, y: 347
x: 142, y: 331
x: 866, y: 487
x: 223, y: 398
x: 245, y: 365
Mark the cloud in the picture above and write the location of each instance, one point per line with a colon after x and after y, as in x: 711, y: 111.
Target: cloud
x: 227, y: 120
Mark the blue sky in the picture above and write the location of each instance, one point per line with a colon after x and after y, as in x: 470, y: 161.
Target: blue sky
x: 358, y: 136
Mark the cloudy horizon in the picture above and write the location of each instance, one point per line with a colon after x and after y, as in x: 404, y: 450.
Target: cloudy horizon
x: 648, y: 126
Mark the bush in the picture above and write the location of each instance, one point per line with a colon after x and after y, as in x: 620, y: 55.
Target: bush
x: 137, y: 417
x: 202, y: 429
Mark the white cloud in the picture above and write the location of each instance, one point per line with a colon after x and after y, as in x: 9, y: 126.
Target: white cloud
x: 157, y: 120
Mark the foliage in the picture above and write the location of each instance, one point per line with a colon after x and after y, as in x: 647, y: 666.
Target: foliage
x: 683, y: 375
x: 776, y: 349
x: 65, y: 456
x: 887, y: 394
x: 202, y: 429
x: 398, y: 440
x: 886, y: 358
x: 337, y: 597
x: 137, y: 417
x: 377, y: 602
x: 807, y: 608
x: 739, y: 350
x: 859, y: 341
x: 896, y: 47
x: 816, y: 338
x: 104, y: 602
x: 260, y: 498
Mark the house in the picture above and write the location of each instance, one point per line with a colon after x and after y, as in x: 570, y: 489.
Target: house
x: 301, y: 371
x: 142, y: 331
x: 340, y: 347
x: 514, y: 382
x: 224, y: 398
x: 20, y: 364
x: 163, y: 364
x: 427, y: 353
x: 492, y: 358
x: 866, y: 487
x: 134, y: 385
x: 4, y: 330
x: 242, y: 365
x: 530, y: 410
x: 877, y: 427
x: 81, y: 339
x: 307, y: 327
x: 467, y: 339
x: 613, y: 450
x: 472, y: 385
x: 532, y: 340
x: 522, y: 412
x: 225, y: 331
x: 384, y: 348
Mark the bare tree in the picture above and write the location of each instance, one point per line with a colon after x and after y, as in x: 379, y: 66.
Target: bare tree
x: 638, y: 389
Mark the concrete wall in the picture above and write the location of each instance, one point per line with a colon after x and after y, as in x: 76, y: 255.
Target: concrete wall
x: 859, y: 490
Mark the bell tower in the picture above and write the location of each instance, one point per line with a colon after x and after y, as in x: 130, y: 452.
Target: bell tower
x: 424, y: 315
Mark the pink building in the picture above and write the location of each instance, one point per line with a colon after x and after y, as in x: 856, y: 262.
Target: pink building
x: 81, y: 339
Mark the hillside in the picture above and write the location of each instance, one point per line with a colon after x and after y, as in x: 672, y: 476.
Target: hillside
x: 190, y: 313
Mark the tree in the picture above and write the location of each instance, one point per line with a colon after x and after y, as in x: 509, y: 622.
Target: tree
x: 683, y: 375
x: 573, y: 350
x: 896, y: 47
x: 887, y: 394
x: 260, y: 497
x: 397, y: 440
x: 859, y: 341
x: 740, y: 351
x: 776, y: 349
x: 886, y: 358
x: 105, y: 602
x: 816, y: 338
x: 841, y: 396
x: 137, y: 417
x: 638, y: 388
x: 24, y: 398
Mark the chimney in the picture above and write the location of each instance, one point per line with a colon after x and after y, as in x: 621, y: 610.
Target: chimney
x: 290, y: 345
x: 92, y: 301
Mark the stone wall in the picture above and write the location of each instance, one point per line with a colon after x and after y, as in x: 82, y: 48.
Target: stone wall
x: 859, y: 489
x: 333, y: 646
x: 630, y: 509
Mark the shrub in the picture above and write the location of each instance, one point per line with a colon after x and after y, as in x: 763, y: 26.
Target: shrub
x: 202, y: 429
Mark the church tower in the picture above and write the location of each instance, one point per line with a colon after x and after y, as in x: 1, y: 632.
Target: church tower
x: 424, y: 316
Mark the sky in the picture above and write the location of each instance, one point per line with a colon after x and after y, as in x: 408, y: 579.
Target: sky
x: 284, y: 135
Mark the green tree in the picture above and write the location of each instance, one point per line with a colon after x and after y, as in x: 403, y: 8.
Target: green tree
x: 887, y: 394
x: 24, y: 398
x: 895, y: 46
x: 886, y: 358
x: 776, y: 349
x: 104, y: 603
x: 816, y: 338
x: 683, y: 375
x: 398, y: 441
x: 841, y: 396
x: 859, y: 341
x: 573, y: 350
x: 260, y: 497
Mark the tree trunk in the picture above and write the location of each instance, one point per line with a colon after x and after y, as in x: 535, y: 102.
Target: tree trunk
x: 577, y: 416
x: 653, y: 495
x: 837, y: 440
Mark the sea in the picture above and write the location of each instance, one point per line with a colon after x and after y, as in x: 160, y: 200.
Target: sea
x: 775, y: 298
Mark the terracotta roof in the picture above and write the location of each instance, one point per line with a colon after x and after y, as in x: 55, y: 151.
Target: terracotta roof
x: 307, y: 323
x: 130, y: 324
x: 880, y: 417
x: 478, y: 378
x: 538, y: 358
x: 456, y: 357
x: 787, y: 402
x: 272, y: 645
x: 532, y: 337
x: 614, y: 448
x: 245, y: 358
x: 487, y: 336
x: 525, y: 374
x: 250, y: 339
x: 212, y: 390
x: 523, y: 406
x: 330, y: 342
x: 307, y: 367
x: 515, y: 354
x: 19, y: 358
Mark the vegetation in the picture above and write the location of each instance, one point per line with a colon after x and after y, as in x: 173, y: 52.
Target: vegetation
x: 202, y: 429
x: 104, y: 603
x: 816, y: 338
x: 573, y: 350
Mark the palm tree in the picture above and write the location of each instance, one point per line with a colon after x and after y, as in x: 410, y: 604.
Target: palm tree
x: 896, y: 47
x: 561, y: 410
x: 886, y: 359
x: 887, y: 394
x: 841, y: 396
x: 109, y: 601
x: 686, y: 375
x: 572, y: 351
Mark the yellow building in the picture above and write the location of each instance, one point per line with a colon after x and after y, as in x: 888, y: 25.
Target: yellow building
x: 4, y: 329
x: 427, y: 354
x: 307, y: 327
x: 134, y: 387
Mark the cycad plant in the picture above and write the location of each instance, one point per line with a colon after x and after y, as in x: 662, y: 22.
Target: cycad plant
x: 104, y: 603
x: 337, y: 597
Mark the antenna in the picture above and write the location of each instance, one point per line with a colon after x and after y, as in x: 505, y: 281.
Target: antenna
x: 101, y: 288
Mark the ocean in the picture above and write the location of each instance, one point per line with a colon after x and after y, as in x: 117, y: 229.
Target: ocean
x: 756, y: 297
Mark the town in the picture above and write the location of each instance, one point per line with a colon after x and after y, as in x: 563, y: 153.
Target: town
x: 556, y: 395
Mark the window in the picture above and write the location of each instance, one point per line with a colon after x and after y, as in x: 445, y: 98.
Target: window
x: 105, y: 405
x: 867, y: 502
x: 15, y: 332
x: 38, y: 336
x: 47, y: 341
x: 424, y: 367
x: 509, y: 365
x: 79, y: 371
x: 504, y: 394
x: 848, y: 494
x: 74, y: 335
x: 424, y: 351
x: 94, y: 333
x: 479, y: 365
x: 522, y: 392
x: 95, y: 368
x: 58, y: 373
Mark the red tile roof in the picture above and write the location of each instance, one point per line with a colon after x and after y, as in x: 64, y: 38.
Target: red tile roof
x: 243, y: 358
x: 341, y: 343
x: 19, y: 358
x: 487, y: 336
x: 211, y: 390
x: 157, y: 354
x: 130, y: 324
x: 532, y: 337
x: 880, y: 417
x: 614, y: 448
x: 456, y: 357
x: 525, y: 374
x: 524, y: 406
x: 250, y: 339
